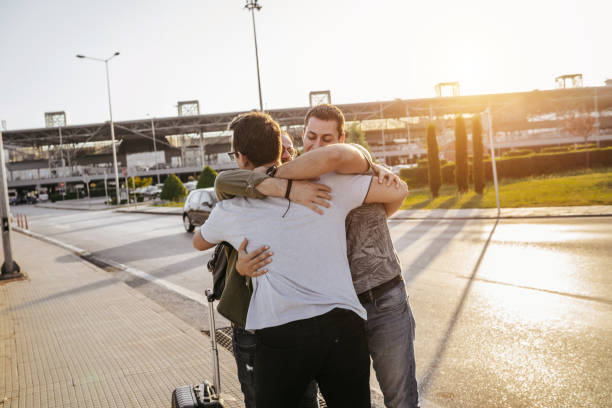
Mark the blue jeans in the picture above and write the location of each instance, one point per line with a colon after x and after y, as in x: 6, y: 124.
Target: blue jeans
x: 243, y: 343
x: 390, y: 334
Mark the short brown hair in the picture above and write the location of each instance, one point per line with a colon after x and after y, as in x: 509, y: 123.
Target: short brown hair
x: 257, y: 136
x: 326, y: 111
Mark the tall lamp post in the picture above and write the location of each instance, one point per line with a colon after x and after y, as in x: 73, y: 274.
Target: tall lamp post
x: 253, y: 5
x: 112, y: 126
x: 154, y: 146
x: 10, y: 269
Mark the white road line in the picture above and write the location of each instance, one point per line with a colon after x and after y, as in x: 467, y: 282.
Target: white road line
x: 200, y: 298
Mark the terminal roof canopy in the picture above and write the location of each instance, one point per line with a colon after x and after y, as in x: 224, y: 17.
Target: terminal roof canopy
x: 510, y: 109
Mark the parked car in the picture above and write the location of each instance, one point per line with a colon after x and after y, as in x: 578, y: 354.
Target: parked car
x: 12, y: 194
x: 191, y: 185
x: 151, y: 191
x: 197, y: 208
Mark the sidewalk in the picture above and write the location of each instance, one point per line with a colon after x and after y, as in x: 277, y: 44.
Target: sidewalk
x: 486, y: 213
x: 72, y: 335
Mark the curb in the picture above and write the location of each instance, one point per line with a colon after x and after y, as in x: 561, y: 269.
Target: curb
x: 146, y: 212
x: 501, y: 217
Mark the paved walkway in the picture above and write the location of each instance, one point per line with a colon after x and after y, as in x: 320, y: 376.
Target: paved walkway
x: 533, y: 212
x: 72, y: 335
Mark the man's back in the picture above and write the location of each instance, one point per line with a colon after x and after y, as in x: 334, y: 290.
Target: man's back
x: 309, y: 275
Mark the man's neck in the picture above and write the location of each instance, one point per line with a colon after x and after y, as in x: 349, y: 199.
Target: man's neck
x: 263, y: 167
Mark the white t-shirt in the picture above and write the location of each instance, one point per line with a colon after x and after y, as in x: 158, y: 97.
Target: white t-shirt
x: 309, y: 274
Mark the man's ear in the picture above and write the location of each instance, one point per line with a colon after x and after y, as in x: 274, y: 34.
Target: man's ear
x: 244, y: 161
x: 342, y: 137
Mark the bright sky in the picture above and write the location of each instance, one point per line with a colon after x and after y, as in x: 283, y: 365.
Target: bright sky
x: 359, y: 50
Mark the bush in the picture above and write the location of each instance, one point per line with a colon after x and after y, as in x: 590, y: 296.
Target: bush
x: 461, y: 163
x: 521, y: 167
x: 173, y: 189
x: 549, y: 163
x: 207, y: 178
x: 477, y: 161
x: 555, y: 149
x: 448, y: 173
x: 433, y: 159
x: 518, y: 153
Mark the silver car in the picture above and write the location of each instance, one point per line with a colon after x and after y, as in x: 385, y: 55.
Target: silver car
x: 197, y: 208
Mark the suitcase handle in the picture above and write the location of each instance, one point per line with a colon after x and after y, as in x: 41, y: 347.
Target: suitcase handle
x: 213, y: 339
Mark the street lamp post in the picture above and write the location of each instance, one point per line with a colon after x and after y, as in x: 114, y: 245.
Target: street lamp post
x: 252, y: 5
x: 155, y: 148
x: 112, y: 126
x: 10, y: 269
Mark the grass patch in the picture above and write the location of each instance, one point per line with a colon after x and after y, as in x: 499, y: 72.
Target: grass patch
x: 589, y: 187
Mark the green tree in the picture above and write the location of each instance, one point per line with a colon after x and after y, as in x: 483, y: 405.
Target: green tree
x: 173, y: 189
x: 207, y: 178
x: 355, y: 134
x: 477, y: 165
x: 461, y: 156
x: 433, y: 161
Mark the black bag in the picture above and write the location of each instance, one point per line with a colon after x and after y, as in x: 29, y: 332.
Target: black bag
x: 217, y: 265
x: 203, y: 395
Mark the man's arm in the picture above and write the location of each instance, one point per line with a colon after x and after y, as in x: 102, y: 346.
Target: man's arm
x: 200, y: 243
x: 342, y: 158
x: 391, y: 197
x: 253, y: 184
x: 244, y: 183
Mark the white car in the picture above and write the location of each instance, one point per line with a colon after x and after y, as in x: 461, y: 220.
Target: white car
x: 190, y: 185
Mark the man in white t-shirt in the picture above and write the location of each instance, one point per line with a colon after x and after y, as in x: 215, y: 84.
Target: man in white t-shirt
x: 308, y: 320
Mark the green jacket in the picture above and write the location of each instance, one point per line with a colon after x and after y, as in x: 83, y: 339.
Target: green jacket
x: 234, y: 302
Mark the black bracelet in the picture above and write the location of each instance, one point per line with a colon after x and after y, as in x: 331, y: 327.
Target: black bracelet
x: 271, y: 171
x: 289, y: 182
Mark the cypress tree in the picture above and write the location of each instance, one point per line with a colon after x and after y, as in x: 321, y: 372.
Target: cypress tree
x: 433, y: 161
x: 207, y: 178
x: 478, y: 165
x: 461, y: 162
x: 173, y: 189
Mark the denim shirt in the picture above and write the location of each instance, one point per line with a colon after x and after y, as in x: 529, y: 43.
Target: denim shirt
x: 372, y: 257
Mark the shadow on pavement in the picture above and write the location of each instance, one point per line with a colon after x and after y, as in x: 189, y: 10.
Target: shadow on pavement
x: 473, y: 202
x: 433, y: 366
x: 432, y: 219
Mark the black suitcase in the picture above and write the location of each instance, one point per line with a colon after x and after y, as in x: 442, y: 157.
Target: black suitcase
x: 204, y: 394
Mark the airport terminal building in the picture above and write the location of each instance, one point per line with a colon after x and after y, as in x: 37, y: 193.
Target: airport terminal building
x: 61, y: 154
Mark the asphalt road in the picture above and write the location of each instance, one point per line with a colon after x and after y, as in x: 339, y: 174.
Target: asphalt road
x: 515, y: 313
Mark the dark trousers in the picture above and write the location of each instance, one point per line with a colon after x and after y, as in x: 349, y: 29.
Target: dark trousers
x: 330, y: 348
x: 243, y: 343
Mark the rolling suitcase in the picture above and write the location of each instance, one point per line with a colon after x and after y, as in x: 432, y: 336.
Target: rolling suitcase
x: 204, y: 394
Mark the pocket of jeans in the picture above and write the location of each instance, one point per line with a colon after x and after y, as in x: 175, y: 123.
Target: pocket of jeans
x: 393, y: 299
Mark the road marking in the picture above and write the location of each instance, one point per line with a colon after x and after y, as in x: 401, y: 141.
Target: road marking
x: 89, y: 257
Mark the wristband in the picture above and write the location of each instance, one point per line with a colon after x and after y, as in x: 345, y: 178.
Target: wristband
x: 289, y: 182
x: 271, y: 171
